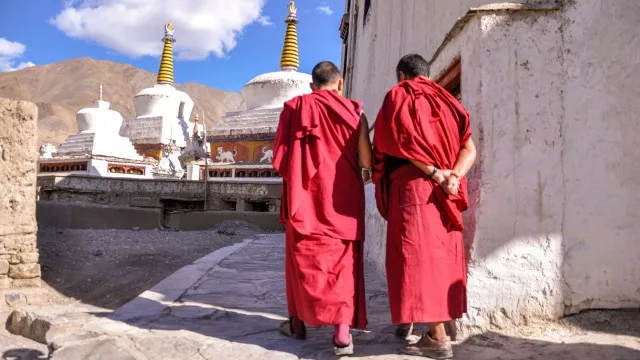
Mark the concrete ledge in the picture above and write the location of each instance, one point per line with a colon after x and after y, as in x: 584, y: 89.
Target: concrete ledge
x: 90, y: 216
x: 153, y: 302
x: 208, y: 219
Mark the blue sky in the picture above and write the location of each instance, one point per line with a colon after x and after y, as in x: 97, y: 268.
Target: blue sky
x: 220, y: 43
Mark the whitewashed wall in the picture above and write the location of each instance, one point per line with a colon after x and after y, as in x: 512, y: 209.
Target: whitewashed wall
x: 602, y: 154
x: 554, y: 218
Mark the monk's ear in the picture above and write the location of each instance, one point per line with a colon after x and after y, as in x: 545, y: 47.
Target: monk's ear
x: 340, y: 85
x: 313, y: 86
x: 401, y: 76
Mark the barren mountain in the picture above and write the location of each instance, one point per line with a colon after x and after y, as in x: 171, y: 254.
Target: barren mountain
x: 63, y: 88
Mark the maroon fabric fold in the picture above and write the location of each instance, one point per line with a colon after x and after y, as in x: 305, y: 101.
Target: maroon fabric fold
x: 315, y: 152
x: 421, y: 121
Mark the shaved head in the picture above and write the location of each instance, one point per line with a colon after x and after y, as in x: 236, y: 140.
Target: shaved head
x: 325, y: 73
x: 411, y: 66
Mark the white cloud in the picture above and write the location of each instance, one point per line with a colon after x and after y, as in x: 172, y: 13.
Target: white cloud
x: 135, y: 27
x: 10, y: 51
x: 25, y: 64
x: 324, y: 9
x: 265, y: 21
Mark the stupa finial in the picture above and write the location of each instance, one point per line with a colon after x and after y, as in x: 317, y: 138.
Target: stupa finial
x: 195, y: 125
x: 165, y: 74
x: 100, y: 92
x: 289, y: 61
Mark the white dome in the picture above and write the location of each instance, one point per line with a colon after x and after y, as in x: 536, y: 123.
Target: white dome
x: 272, y: 90
x: 99, y: 119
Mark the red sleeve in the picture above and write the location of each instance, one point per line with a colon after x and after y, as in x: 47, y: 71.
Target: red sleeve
x: 357, y: 107
x: 282, y: 141
x: 465, y: 129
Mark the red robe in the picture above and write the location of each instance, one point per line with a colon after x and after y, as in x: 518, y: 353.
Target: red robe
x: 426, y: 270
x: 322, y: 207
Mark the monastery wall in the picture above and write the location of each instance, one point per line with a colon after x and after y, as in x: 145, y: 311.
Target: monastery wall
x: 160, y: 193
x: 552, y: 224
x: 393, y: 29
x: 601, y: 154
x: 18, y: 157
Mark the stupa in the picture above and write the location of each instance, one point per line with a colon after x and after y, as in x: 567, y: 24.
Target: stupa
x: 161, y: 128
x: 242, y: 141
x: 97, y: 149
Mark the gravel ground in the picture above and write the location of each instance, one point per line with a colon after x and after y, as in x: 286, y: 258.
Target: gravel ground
x: 107, y: 268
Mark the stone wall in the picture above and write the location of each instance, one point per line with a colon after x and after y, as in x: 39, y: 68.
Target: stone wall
x: 234, y: 194
x: 552, y: 94
x: 18, y: 156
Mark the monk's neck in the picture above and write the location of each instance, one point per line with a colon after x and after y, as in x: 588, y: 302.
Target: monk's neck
x: 328, y: 88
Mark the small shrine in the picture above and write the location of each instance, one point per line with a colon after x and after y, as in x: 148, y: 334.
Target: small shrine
x: 161, y: 128
x: 242, y: 141
x: 97, y: 149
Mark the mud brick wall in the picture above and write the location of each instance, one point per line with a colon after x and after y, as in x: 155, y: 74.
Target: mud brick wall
x: 19, y: 265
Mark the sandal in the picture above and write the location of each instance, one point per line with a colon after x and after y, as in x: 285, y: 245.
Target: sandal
x: 342, y: 350
x: 286, y: 329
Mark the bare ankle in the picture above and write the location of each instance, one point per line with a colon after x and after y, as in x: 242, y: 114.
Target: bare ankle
x: 437, y: 331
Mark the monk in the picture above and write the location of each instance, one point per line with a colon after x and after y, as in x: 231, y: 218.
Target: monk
x: 422, y: 152
x: 321, y: 147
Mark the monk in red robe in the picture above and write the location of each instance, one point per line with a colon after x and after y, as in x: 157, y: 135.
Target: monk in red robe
x: 422, y: 151
x: 321, y: 147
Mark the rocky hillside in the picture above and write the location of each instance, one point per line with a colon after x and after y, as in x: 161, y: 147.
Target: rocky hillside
x: 63, y: 88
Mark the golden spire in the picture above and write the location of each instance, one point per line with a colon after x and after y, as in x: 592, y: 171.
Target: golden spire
x: 165, y: 74
x: 289, y: 60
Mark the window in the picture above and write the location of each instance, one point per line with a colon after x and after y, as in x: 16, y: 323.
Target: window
x: 344, y: 28
x: 367, y: 5
x: 451, y: 79
x: 181, y: 110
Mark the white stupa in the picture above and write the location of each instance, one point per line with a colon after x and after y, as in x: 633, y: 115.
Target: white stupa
x: 242, y: 141
x: 97, y: 149
x: 161, y: 128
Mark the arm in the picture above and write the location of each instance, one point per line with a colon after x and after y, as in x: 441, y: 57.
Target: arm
x: 427, y: 169
x: 281, y: 143
x: 364, y: 145
x: 439, y: 176
x: 466, y: 158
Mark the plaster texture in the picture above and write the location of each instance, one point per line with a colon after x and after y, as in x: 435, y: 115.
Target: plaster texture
x: 19, y: 266
x: 249, y: 122
x: 271, y: 90
x: 162, y: 116
x: 551, y: 91
x: 98, y: 134
x: 601, y: 133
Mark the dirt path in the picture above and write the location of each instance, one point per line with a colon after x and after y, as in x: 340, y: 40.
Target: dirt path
x: 107, y: 268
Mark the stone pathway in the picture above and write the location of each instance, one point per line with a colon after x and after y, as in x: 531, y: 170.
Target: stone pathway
x: 228, y: 305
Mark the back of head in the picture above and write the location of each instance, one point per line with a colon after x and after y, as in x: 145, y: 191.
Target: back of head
x: 325, y: 73
x: 411, y: 66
